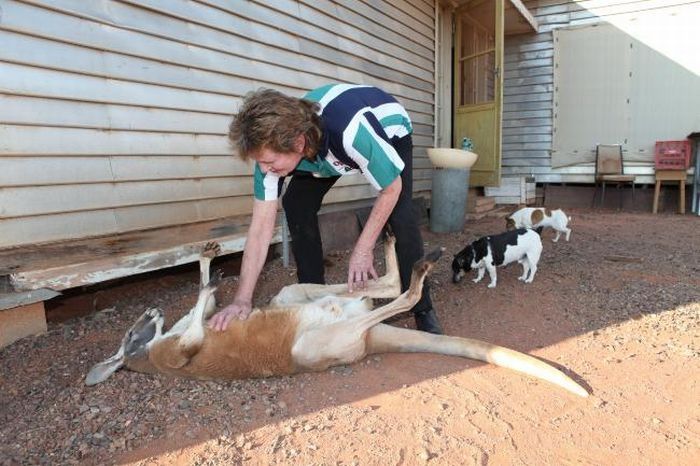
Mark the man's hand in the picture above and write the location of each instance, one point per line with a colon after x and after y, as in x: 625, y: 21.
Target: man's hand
x: 361, y: 269
x: 236, y: 310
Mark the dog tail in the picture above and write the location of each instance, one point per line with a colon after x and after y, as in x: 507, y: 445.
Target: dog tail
x: 387, y: 339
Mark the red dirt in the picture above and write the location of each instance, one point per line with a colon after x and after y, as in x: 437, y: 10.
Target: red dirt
x: 618, y: 307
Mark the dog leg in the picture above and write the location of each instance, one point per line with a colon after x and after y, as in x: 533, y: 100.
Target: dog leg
x: 387, y: 339
x: 532, y: 259
x: 344, y: 341
x: 526, y: 268
x: 479, y: 274
x: 568, y: 233
x: 491, y: 269
x: 556, y: 238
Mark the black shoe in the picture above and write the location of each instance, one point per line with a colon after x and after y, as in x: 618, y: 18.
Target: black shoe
x: 427, y: 321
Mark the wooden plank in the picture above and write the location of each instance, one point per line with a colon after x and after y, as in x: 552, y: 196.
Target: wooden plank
x: 525, y: 14
x: 539, y: 97
x: 20, y: 299
x: 421, y: 11
x: 21, y: 322
x: 401, y: 36
x: 30, y: 230
x: 49, y: 53
x: 529, y: 89
x: 280, y: 68
x: 537, y: 115
x: 41, y: 171
x: 516, y: 72
x: 28, y: 81
x: 523, y: 56
x: 71, y: 275
x: 206, y: 59
x: 76, y: 251
x: 537, y: 138
x: 528, y: 146
x: 219, y: 59
x: 527, y: 124
x: 42, y: 200
x: 72, y: 225
x: 211, y: 28
x: 32, y: 81
x: 527, y: 106
x: 30, y: 140
x: 516, y: 45
x: 392, y: 18
x: 322, y: 26
x: 37, y: 111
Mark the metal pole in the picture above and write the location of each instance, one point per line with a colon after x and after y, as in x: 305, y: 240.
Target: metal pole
x: 696, y: 181
x: 285, y: 233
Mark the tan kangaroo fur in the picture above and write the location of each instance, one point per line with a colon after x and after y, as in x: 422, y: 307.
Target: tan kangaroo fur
x: 307, y: 327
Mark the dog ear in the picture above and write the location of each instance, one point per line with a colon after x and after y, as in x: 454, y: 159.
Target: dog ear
x: 480, y: 248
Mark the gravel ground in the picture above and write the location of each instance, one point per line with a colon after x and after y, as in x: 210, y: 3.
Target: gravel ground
x: 618, y: 307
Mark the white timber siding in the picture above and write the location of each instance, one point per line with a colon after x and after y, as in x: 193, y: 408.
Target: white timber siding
x: 114, y: 114
x: 529, y: 86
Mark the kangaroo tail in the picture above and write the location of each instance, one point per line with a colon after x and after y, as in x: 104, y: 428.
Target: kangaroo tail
x: 387, y: 339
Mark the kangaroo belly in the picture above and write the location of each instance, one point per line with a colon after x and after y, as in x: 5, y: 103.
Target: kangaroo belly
x: 257, y: 347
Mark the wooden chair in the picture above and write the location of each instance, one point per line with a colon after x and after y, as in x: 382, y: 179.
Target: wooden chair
x: 609, y: 168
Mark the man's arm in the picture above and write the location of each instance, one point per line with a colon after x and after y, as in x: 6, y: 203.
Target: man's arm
x: 361, y: 267
x: 257, y: 244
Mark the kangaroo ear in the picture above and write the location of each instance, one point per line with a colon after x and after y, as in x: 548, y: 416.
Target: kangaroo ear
x: 103, y: 370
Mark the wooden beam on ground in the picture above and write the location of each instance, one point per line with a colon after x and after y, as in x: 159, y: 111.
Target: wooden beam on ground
x: 101, y: 269
x: 21, y: 322
x: 24, y: 298
x: 67, y: 264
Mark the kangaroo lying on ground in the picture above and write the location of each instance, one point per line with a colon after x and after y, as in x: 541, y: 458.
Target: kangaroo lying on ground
x: 307, y: 327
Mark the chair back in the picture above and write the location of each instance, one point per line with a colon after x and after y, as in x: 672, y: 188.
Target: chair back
x: 608, y: 159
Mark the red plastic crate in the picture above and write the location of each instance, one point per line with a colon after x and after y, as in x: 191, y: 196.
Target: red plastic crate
x: 672, y: 155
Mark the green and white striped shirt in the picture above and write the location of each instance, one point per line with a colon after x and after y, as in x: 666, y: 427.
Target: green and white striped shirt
x: 358, y: 125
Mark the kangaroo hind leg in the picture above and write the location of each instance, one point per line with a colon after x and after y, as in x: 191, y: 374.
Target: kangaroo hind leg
x: 343, y: 341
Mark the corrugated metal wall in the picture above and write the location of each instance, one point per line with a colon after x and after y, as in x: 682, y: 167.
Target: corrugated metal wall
x: 528, y: 86
x: 113, y: 114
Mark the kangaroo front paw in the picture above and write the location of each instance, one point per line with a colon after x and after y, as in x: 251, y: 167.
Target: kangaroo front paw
x: 211, y: 249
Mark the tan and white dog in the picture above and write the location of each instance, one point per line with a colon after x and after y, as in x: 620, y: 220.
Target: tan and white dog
x: 534, y: 217
x: 307, y: 327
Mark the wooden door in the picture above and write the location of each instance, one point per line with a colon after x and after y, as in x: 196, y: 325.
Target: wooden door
x: 478, y: 86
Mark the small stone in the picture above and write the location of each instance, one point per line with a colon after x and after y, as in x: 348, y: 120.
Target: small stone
x: 424, y: 455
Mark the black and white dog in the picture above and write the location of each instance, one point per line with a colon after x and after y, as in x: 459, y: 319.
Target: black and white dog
x: 488, y: 252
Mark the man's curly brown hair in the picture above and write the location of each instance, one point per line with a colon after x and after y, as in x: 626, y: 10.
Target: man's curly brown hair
x: 268, y: 118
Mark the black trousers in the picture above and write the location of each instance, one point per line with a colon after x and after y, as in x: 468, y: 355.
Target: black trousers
x: 302, y: 201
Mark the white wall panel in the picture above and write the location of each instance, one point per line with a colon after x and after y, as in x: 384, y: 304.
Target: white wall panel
x: 114, y: 114
x: 529, y: 105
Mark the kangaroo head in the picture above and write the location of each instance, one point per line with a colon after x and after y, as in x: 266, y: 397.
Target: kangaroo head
x: 134, y: 348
